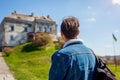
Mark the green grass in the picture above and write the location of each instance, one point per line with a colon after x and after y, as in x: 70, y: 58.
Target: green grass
x: 116, y: 70
x: 29, y: 62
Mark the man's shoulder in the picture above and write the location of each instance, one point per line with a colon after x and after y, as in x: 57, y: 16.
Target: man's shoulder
x: 59, y: 53
x: 71, y: 49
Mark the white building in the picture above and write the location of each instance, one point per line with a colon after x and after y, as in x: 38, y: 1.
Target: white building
x: 19, y: 28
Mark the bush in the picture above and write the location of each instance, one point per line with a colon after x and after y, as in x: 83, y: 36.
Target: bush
x: 59, y: 44
x: 42, y: 39
x: 29, y: 47
x: 8, y: 51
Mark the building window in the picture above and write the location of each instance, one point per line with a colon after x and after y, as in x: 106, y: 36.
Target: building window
x: 42, y: 23
x: 11, y: 37
x: 51, y: 30
x: 11, y: 28
x: 48, y: 25
x: 23, y: 38
x: 45, y: 29
x: 29, y: 25
x: 0, y: 39
x: 40, y: 29
x: 25, y: 29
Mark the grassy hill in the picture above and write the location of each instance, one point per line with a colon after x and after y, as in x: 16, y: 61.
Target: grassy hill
x: 28, y: 62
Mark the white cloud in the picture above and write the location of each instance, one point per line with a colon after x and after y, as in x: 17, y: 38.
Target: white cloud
x: 116, y: 2
x: 91, y: 20
x: 89, y: 7
x: 94, y: 14
x: 117, y: 31
x: 108, y: 46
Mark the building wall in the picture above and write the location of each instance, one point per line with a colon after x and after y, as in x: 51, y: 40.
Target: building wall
x: 19, y: 34
x: 1, y: 34
x: 15, y: 28
x: 45, y: 27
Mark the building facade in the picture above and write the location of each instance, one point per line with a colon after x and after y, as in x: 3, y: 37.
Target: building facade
x: 20, y: 28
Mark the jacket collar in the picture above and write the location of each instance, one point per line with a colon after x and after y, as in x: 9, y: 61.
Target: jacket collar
x: 72, y: 41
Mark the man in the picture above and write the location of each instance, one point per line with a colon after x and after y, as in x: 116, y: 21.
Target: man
x: 74, y: 61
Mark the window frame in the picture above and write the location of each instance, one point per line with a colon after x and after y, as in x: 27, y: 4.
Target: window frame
x: 12, y: 38
x: 12, y: 28
x: 25, y: 29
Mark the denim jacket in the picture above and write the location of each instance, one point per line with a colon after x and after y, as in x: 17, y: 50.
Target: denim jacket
x: 73, y: 62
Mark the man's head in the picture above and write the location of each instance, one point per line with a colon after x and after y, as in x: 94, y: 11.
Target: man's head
x: 69, y: 28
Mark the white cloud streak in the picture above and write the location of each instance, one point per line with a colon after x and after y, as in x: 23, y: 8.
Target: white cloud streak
x: 117, y: 31
x: 108, y: 46
x: 91, y: 20
x: 116, y: 2
x: 89, y: 7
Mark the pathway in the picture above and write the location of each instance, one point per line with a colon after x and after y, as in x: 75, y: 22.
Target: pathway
x: 5, y: 73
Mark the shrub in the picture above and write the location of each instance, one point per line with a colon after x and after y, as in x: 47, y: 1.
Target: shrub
x: 59, y: 44
x: 29, y: 47
x: 42, y: 39
x: 8, y: 51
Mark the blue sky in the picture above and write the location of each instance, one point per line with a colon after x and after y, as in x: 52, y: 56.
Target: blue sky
x: 98, y: 18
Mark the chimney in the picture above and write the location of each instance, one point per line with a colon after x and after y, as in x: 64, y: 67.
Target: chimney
x: 14, y: 12
x: 48, y: 16
x: 32, y: 14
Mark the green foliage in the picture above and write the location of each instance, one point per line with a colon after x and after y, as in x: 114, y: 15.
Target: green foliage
x: 42, y: 39
x: 59, y: 44
x: 35, y: 64
x: 8, y: 51
x: 30, y: 47
x: 32, y: 65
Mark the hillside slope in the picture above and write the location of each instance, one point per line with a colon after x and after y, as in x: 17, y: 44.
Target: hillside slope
x: 28, y: 62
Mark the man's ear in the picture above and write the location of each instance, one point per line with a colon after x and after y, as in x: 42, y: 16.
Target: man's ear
x: 63, y: 36
x: 78, y: 32
x: 61, y: 33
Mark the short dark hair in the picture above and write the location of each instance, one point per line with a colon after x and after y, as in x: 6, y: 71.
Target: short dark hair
x: 69, y: 27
